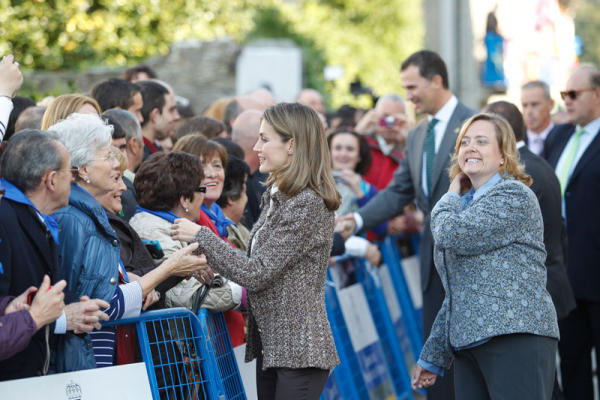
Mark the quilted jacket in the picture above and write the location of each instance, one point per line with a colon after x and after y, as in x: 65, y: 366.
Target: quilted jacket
x: 90, y: 252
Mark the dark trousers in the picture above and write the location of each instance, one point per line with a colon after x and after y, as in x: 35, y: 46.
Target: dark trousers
x: 579, y: 332
x: 433, y: 297
x: 517, y: 366
x: 289, y: 383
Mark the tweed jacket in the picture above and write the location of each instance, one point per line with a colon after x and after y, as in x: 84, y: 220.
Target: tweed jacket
x: 490, y: 258
x: 284, y: 275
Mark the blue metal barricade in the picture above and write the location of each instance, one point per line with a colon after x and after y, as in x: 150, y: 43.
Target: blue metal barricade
x: 386, y: 330
x: 215, y: 329
x: 346, y: 380
x: 186, y: 358
x: 410, y: 316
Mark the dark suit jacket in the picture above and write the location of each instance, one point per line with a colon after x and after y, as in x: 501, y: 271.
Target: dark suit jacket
x: 582, y: 214
x: 254, y: 189
x: 128, y: 200
x: 27, y: 252
x: 406, y: 185
x: 547, y: 190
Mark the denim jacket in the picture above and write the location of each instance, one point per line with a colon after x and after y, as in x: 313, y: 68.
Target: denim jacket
x: 90, y: 252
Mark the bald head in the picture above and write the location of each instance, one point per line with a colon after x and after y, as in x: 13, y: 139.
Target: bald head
x: 264, y: 96
x: 244, y: 132
x: 311, y: 98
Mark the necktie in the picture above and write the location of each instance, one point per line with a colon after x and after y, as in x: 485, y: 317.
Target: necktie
x: 430, y: 152
x: 563, y: 174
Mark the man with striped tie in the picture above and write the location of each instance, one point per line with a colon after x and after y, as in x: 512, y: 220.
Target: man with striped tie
x: 573, y: 150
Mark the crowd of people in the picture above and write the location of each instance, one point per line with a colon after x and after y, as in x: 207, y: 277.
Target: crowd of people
x: 124, y: 199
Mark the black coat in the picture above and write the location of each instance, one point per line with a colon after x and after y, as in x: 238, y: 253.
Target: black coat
x: 547, y: 190
x: 582, y: 213
x: 27, y: 252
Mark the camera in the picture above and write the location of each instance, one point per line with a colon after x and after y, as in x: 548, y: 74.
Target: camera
x: 388, y: 121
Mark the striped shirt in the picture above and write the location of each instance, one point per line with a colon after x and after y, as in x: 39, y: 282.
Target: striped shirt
x: 125, y: 303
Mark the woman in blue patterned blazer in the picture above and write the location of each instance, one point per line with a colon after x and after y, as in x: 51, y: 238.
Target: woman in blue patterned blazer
x: 497, y: 322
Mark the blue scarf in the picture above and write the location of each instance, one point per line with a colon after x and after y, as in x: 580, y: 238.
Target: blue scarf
x: 168, y: 215
x: 13, y: 193
x: 218, y: 218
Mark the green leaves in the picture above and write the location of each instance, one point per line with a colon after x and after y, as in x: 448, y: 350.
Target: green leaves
x: 369, y: 38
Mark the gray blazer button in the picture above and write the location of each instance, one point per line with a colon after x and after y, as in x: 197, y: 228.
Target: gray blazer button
x: 259, y: 330
x: 113, y: 280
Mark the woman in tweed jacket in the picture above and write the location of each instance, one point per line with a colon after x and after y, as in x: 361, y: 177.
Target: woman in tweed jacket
x: 497, y: 322
x: 285, y: 266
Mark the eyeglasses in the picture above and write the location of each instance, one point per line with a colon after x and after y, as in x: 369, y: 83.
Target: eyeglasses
x: 109, y: 157
x: 573, y: 94
x: 201, y: 189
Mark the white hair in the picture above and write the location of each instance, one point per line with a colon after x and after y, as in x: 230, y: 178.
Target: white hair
x: 393, y: 97
x: 83, y: 135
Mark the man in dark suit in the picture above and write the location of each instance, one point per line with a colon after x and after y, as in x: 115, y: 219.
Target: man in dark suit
x: 573, y: 150
x: 37, y: 177
x: 422, y: 176
x: 547, y: 190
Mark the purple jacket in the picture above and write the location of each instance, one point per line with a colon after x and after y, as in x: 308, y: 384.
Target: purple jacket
x: 16, y: 330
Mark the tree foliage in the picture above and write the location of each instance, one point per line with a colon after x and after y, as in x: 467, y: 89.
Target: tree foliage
x: 587, y: 21
x: 368, y: 38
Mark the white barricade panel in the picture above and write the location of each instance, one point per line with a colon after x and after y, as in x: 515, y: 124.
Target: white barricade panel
x: 365, y: 342
x: 247, y: 372
x: 411, y: 267
x: 121, y: 382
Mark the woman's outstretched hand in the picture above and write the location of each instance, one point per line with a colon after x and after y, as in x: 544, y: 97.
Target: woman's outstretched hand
x: 422, y: 378
x: 184, y: 230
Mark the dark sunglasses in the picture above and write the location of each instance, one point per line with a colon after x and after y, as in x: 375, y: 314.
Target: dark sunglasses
x: 201, y: 189
x: 573, y: 94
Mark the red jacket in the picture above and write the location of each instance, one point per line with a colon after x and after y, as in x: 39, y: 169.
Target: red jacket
x: 382, y: 167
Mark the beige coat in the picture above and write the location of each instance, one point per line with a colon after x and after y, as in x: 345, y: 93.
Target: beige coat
x: 284, y: 274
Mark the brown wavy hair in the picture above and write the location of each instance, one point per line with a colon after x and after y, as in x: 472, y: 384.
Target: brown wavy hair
x: 506, y: 142
x: 65, y: 105
x: 310, y: 163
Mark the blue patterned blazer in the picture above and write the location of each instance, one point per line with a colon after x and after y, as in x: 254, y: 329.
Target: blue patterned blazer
x: 490, y: 258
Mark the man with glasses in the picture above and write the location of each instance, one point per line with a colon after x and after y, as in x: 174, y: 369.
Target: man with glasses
x: 573, y: 150
x: 37, y: 176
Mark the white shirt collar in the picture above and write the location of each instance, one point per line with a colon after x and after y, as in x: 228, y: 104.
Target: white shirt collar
x: 520, y: 143
x: 542, y: 135
x: 444, y: 113
x: 592, y: 127
x: 384, y: 146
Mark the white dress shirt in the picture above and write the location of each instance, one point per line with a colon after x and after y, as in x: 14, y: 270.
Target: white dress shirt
x: 536, y: 140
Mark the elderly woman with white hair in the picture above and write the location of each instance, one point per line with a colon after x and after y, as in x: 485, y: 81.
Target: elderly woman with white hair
x: 90, y: 248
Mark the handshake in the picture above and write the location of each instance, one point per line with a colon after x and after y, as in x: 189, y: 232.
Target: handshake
x: 345, y: 225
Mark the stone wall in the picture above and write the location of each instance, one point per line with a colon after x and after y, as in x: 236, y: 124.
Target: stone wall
x: 198, y: 70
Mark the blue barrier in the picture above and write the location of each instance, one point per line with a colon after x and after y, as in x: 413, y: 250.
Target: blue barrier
x: 363, y: 372
x: 186, y: 359
x: 346, y: 380
x: 386, y: 329
x: 215, y: 329
x: 410, y: 317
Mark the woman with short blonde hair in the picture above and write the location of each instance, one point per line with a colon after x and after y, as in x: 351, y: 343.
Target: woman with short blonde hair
x: 67, y: 104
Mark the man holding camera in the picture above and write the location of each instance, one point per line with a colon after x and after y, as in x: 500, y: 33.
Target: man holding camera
x: 385, y: 128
